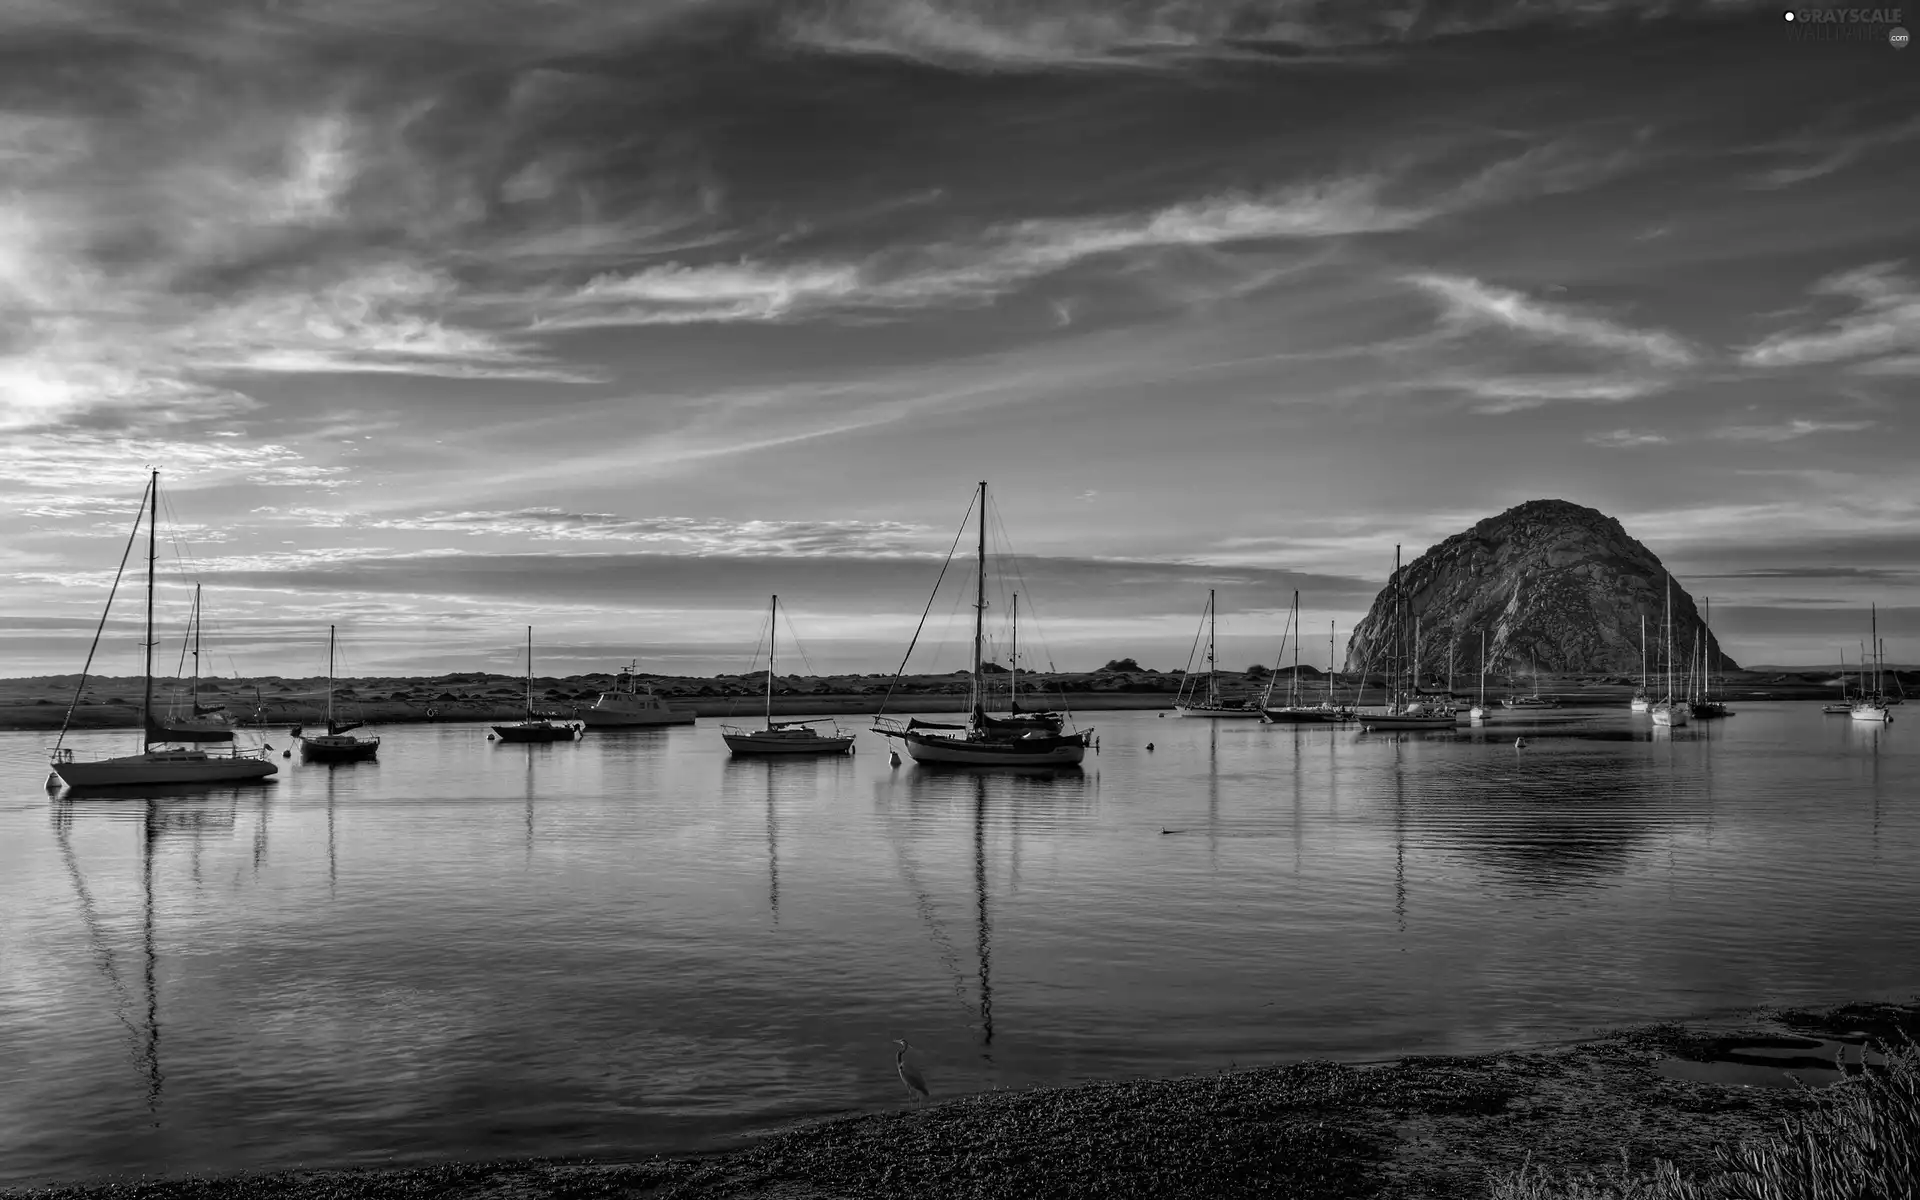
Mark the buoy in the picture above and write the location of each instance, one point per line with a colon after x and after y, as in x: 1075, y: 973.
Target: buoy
x: 1519, y: 743
x: 893, y: 757
x: 1149, y: 745
x: 1162, y: 716
x: 489, y: 737
x: 286, y: 754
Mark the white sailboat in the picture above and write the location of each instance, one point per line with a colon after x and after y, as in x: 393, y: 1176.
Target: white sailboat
x: 1872, y: 705
x: 337, y: 744
x: 1400, y: 713
x: 170, y: 763
x: 784, y: 737
x: 1845, y: 704
x: 631, y: 704
x: 1641, y: 701
x: 1020, y: 739
x: 1670, y: 712
x: 1187, y: 704
x: 1480, y: 710
x: 535, y: 727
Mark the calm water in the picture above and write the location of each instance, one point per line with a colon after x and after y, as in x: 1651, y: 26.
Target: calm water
x: 633, y: 944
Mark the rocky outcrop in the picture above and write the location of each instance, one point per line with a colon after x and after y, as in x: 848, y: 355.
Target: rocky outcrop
x: 1550, y: 582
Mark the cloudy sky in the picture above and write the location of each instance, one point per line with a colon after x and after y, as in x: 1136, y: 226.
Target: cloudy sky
x: 444, y: 317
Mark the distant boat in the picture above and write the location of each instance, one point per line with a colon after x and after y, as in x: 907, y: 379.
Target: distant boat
x: 171, y: 763
x: 535, y: 727
x: 1481, y: 710
x: 337, y: 744
x: 1536, y: 700
x: 1845, y: 704
x: 1670, y: 712
x: 1872, y: 705
x: 1296, y: 711
x: 201, y: 722
x: 1187, y: 704
x: 1706, y: 707
x: 1400, y: 713
x: 784, y: 737
x: 631, y: 704
x: 1020, y: 739
x: 1641, y: 701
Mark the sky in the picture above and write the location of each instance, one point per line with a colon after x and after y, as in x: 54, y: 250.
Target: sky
x: 443, y: 318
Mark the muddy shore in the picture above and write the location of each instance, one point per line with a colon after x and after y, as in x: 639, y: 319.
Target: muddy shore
x: 1414, y: 1127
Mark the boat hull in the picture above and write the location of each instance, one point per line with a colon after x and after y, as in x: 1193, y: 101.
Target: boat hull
x: 339, y: 748
x: 1013, y: 752
x: 1305, y: 716
x: 1217, y: 710
x: 163, y: 766
x: 538, y: 732
x: 1640, y: 704
x: 1836, y: 710
x: 597, y: 718
x: 1670, y: 717
x: 1871, y: 713
x: 1387, y: 721
x: 752, y: 744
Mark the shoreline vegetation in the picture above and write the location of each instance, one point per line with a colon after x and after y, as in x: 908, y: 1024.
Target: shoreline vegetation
x: 113, y: 702
x: 1624, y: 1115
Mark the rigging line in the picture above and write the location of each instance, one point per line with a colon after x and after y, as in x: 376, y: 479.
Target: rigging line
x: 798, y: 648
x: 888, y: 698
x: 80, y: 688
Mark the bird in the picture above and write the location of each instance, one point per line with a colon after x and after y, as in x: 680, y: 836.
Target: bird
x: 909, y: 1074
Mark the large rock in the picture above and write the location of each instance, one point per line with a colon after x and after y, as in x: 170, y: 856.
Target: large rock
x: 1551, y: 583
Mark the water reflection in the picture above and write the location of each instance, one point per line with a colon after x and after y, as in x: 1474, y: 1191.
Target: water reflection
x: 983, y: 926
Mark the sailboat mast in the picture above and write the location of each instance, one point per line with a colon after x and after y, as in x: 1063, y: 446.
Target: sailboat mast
x: 1293, y: 685
x: 153, y: 553
x: 773, y: 633
x: 194, y: 689
x: 1211, y: 616
x: 1643, y: 652
x: 1669, y: 616
x: 529, y: 672
x: 329, y: 679
x: 980, y: 606
x: 1873, y: 611
x: 1400, y: 635
x: 1483, y: 669
x: 1331, y: 666
x: 1013, y: 653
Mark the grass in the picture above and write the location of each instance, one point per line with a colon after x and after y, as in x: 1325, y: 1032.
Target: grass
x: 1860, y: 1140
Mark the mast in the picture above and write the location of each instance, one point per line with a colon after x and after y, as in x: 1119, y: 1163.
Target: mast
x: 1013, y: 653
x: 1874, y: 616
x: 1643, y: 654
x: 1293, y: 686
x: 1211, y: 616
x: 529, y: 673
x: 980, y: 611
x: 1331, y: 666
x: 1706, y: 651
x: 773, y: 629
x: 1483, y: 670
x: 153, y: 552
x: 1395, y: 699
x: 329, y: 679
x: 194, y: 689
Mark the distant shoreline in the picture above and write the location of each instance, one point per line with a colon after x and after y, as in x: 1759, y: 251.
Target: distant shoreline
x: 1438, y: 1125
x: 41, y: 703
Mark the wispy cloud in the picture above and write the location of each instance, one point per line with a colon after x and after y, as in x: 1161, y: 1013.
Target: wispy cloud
x: 1824, y: 151
x: 1471, y: 303
x: 689, y: 535
x: 1788, y: 431
x: 1505, y: 394
x: 1623, y: 439
x: 1886, y: 321
x: 96, y: 463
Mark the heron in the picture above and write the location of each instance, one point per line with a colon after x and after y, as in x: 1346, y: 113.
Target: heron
x: 909, y: 1074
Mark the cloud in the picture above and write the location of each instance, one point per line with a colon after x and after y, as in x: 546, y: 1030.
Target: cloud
x: 1621, y: 439
x: 1825, y: 151
x: 702, y: 536
x: 1000, y: 258
x: 1886, y: 321
x: 1470, y: 303
x: 1515, y: 394
x: 1787, y: 431
x: 93, y: 463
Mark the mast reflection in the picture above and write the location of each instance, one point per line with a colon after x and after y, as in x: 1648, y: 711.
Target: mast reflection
x: 984, y: 926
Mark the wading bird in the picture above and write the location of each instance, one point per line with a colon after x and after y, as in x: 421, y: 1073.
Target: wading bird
x: 909, y: 1074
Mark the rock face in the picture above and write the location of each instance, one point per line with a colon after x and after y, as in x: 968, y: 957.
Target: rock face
x: 1551, y: 583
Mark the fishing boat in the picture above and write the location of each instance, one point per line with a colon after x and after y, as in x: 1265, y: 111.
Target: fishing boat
x: 1706, y: 707
x: 170, y: 763
x: 1641, y: 701
x: 1670, y: 712
x: 1189, y: 704
x: 536, y: 727
x: 1400, y: 712
x: 1019, y: 739
x: 1872, y: 705
x: 784, y: 737
x: 1296, y: 711
x: 631, y: 704
x: 337, y: 744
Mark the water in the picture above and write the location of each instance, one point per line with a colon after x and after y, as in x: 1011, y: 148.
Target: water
x: 632, y: 944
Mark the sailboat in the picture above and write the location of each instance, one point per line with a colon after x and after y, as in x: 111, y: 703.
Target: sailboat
x: 202, y: 722
x: 1480, y: 710
x: 170, y: 763
x: 533, y: 727
x: 1706, y: 706
x: 1872, y: 705
x: 630, y: 704
x: 1399, y: 712
x: 1670, y: 712
x: 1296, y: 711
x: 1536, y: 700
x: 337, y: 744
x: 1019, y: 739
x: 784, y: 737
x: 1188, y: 703
x: 1845, y: 704
x: 1641, y: 701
